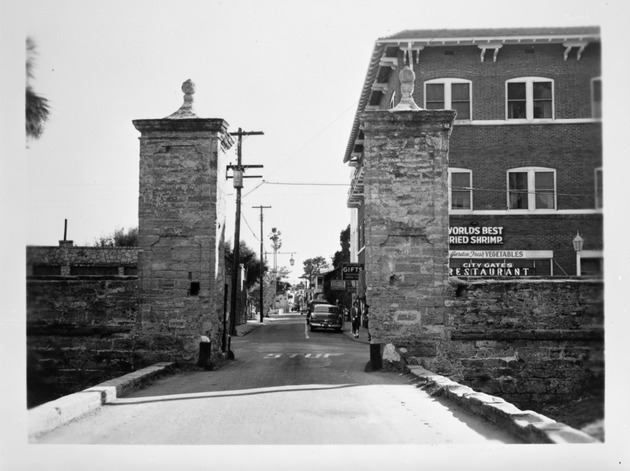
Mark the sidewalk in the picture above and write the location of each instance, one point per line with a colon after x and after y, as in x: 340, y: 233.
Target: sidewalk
x: 250, y: 326
x: 363, y: 333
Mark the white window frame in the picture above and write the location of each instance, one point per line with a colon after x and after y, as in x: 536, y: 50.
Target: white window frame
x: 531, y: 189
x: 448, y: 102
x: 599, y: 202
x: 450, y: 190
x: 594, y: 115
x: 529, y: 98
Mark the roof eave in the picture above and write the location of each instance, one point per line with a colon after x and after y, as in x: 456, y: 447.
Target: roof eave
x: 462, y: 41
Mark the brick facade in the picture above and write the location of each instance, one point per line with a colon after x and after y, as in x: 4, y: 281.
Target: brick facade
x: 488, y: 144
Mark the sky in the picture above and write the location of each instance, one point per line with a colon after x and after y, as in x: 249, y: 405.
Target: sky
x: 291, y: 69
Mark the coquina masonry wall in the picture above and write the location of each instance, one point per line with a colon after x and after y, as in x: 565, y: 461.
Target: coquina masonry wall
x: 528, y: 341
x: 80, y: 332
x: 406, y: 228
x: 181, y: 231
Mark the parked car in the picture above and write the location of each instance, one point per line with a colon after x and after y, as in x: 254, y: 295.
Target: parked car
x: 326, y: 316
x: 311, y: 304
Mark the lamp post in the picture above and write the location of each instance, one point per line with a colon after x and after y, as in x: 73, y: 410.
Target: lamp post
x: 277, y: 243
x: 578, y: 244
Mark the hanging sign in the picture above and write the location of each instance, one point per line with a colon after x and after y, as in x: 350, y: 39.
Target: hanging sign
x: 338, y: 285
x: 350, y: 271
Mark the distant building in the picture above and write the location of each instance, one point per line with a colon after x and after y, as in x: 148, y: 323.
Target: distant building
x: 525, y: 164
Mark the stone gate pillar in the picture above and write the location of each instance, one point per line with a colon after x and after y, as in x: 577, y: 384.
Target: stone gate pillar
x: 406, y: 226
x: 181, y: 216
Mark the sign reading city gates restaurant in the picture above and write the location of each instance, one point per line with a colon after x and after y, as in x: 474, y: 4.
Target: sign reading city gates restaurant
x: 350, y: 271
x: 475, y: 235
x: 500, y: 262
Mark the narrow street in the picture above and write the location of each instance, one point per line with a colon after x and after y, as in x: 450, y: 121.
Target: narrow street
x: 287, y: 385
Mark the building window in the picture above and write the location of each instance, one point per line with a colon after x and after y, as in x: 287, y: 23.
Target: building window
x: 596, y: 97
x: 449, y: 94
x: 591, y: 263
x: 531, y: 188
x: 599, y: 188
x: 529, y: 98
x: 460, y: 185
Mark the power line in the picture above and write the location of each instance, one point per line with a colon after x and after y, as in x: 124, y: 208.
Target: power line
x: 250, y: 228
x: 305, y: 183
x: 352, y: 106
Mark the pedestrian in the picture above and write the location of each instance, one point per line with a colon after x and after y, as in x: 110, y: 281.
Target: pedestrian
x: 355, y: 316
x: 366, y: 321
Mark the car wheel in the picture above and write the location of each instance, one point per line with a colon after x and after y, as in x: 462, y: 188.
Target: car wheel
x: 312, y: 329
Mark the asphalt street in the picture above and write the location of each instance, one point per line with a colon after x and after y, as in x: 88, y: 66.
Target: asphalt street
x: 287, y: 385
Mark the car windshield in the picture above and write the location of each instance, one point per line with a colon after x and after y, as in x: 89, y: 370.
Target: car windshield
x: 326, y: 309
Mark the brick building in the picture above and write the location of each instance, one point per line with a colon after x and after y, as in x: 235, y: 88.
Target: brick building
x: 525, y: 153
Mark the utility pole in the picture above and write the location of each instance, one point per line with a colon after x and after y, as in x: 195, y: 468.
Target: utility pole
x: 261, y: 260
x: 237, y: 172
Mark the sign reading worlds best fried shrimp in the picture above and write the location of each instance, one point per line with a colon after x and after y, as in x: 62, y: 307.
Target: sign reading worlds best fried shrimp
x: 475, y: 235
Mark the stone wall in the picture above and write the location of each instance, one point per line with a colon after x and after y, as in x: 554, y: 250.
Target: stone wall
x: 181, y: 266
x: 406, y: 226
x: 68, y: 260
x: 80, y: 332
x: 528, y: 341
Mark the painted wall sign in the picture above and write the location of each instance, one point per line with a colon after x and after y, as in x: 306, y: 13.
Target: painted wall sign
x: 543, y: 254
x: 481, y: 268
x: 471, y: 235
x: 500, y: 262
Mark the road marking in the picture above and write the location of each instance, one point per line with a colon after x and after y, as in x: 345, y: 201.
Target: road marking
x: 306, y: 355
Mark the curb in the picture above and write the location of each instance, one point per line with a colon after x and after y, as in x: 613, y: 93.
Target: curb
x: 528, y: 425
x: 48, y: 416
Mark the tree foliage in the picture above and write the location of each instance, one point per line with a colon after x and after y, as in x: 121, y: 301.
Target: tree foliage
x: 120, y: 238
x: 37, y: 107
x: 251, y: 261
x: 313, y: 266
x: 343, y: 255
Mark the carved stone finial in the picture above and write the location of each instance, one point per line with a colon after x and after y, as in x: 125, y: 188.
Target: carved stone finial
x: 186, y: 110
x: 407, y: 78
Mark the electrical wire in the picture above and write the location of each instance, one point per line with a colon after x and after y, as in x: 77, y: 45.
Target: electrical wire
x: 306, y: 183
x: 280, y: 165
x: 250, y: 228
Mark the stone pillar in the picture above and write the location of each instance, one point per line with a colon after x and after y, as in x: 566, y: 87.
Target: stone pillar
x: 406, y: 226
x: 181, y: 229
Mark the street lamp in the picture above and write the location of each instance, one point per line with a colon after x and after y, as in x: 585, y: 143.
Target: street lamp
x: 578, y: 244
